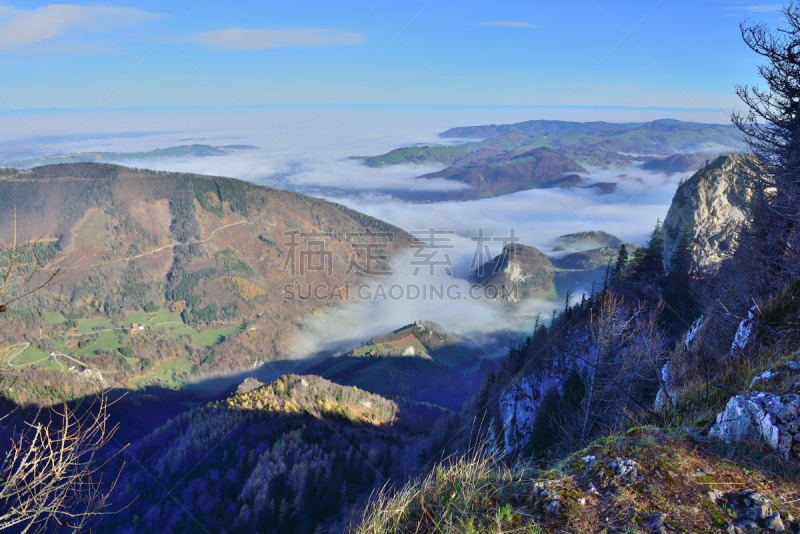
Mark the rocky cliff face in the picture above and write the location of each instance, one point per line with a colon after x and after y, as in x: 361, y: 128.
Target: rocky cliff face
x: 518, y: 273
x: 520, y: 402
x: 714, y: 202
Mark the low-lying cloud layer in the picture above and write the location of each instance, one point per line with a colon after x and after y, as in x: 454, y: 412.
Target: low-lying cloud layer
x: 398, y: 300
x: 310, y: 148
x: 536, y: 217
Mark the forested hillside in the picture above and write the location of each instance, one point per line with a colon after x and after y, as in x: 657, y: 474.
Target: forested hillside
x: 198, y: 263
x: 658, y: 403
x: 295, y: 455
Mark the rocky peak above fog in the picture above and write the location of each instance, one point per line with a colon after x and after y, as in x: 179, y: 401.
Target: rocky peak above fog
x: 517, y: 273
x: 714, y: 201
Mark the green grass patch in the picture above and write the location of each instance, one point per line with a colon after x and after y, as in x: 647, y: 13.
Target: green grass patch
x: 53, y: 318
x: 137, y: 317
x: 164, y: 316
x: 8, y: 352
x: 86, y: 326
x: 362, y: 351
x: 172, y: 372
x: 106, y: 340
x: 392, y: 348
x: 178, y: 330
x: 504, y: 191
x: 549, y: 294
x: 212, y: 337
x: 31, y: 355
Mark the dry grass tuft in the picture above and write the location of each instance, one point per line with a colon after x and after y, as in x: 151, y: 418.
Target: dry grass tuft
x: 468, y: 495
x: 674, y: 473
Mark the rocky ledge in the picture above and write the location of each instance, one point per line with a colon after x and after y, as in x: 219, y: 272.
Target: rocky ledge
x: 760, y: 417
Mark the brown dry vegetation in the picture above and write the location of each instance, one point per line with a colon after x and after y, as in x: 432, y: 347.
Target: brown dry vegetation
x: 139, y: 237
x: 675, y: 473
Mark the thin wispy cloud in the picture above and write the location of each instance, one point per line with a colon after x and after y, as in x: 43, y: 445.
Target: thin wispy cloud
x: 506, y: 23
x: 19, y: 27
x: 764, y: 8
x: 247, y: 39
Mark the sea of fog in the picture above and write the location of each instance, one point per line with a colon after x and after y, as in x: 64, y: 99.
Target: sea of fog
x: 311, y: 149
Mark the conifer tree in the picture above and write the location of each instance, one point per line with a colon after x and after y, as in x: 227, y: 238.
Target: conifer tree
x: 622, y: 261
x: 771, y: 123
x: 516, y: 360
x: 680, y: 264
x: 637, y: 260
x: 567, y: 308
x: 650, y: 262
x: 678, y: 279
x: 654, y: 254
x: 771, y: 128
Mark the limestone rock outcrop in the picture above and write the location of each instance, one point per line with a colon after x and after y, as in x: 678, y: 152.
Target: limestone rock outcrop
x: 248, y: 385
x: 519, y: 405
x: 714, y: 201
x: 760, y: 417
x: 520, y: 272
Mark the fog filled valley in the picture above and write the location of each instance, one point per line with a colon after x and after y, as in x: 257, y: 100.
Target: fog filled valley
x: 314, y: 162
x: 465, y: 278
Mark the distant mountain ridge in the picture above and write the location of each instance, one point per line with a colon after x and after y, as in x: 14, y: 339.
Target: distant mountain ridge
x: 518, y: 273
x: 595, y: 258
x: 679, y: 162
x: 509, y: 173
x: 420, y: 362
x: 585, y: 240
x: 491, y: 164
x: 554, y: 127
x: 196, y: 151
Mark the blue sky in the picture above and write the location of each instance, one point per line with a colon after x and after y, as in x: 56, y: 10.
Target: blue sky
x: 210, y: 53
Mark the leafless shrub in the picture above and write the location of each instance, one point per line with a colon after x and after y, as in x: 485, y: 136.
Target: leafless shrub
x: 620, y: 375
x: 50, y: 477
x: 629, y: 348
